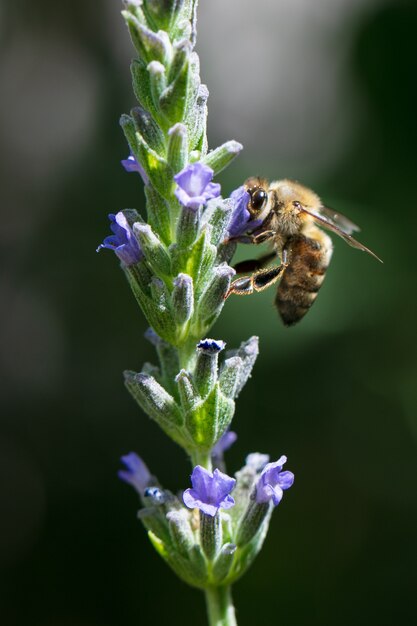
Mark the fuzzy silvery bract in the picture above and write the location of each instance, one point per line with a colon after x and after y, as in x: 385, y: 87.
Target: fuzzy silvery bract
x: 175, y: 252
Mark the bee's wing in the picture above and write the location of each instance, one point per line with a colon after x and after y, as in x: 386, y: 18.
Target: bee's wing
x: 339, y: 231
x: 337, y: 219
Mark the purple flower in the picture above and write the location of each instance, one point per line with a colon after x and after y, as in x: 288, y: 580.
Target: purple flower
x: 240, y: 220
x: 210, y: 491
x: 123, y: 242
x: 194, y: 187
x: 272, y: 481
x: 136, y: 472
x: 224, y: 443
x: 132, y: 165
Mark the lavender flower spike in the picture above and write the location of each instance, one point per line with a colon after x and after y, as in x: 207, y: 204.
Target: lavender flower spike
x: 123, y: 242
x: 210, y: 491
x: 272, y: 482
x: 132, y: 165
x: 194, y: 187
x: 136, y: 472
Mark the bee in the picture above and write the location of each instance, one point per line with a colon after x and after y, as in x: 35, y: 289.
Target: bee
x: 290, y: 216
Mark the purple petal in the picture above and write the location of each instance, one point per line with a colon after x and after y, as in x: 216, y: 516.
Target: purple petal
x: 224, y: 443
x: 272, y: 481
x: 200, y: 480
x: 276, y: 494
x: 286, y: 480
x: 132, y: 165
x: 194, y: 187
x: 222, y: 485
x: 240, y: 221
x: 210, y: 491
x: 228, y: 502
x: 194, y: 178
x: 123, y: 242
x: 211, y: 191
x: 136, y: 473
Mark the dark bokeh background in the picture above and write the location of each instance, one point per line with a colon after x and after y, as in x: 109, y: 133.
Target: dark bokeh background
x: 320, y: 91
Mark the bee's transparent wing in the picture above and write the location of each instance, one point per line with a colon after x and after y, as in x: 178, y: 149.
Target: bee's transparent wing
x: 321, y: 219
x: 339, y: 220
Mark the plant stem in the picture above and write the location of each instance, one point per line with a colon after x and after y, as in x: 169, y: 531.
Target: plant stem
x: 201, y: 458
x: 220, y: 609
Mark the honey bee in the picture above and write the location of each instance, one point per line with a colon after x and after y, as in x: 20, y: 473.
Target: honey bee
x: 289, y: 216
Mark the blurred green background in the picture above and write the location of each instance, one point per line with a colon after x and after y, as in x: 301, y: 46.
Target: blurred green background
x: 320, y: 91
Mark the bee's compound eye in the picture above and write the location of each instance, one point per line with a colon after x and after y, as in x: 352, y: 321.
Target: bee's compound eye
x: 258, y: 199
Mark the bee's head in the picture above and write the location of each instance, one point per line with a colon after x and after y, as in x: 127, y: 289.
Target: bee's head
x: 258, y: 192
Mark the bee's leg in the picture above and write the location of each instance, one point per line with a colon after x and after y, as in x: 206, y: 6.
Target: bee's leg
x: 265, y: 235
x: 257, y: 282
x: 252, y: 265
x: 261, y: 279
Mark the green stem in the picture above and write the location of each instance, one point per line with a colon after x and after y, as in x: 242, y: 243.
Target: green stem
x: 220, y: 609
x: 201, y: 458
x: 186, y: 353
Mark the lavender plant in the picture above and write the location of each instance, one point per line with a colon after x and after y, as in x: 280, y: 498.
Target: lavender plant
x: 176, y: 262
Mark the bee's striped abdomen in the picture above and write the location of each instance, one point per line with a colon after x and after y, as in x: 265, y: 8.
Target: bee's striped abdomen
x: 302, y: 279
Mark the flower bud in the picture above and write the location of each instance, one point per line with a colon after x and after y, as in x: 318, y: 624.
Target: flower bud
x: 255, y: 516
x: 158, y: 214
x: 217, y: 214
x: 248, y: 352
x: 157, y: 80
x: 197, y: 122
x: 212, y: 299
x: 163, y: 12
x: 220, y: 158
x: 157, y: 403
x: 146, y: 126
x: 142, y: 86
x: 180, y: 529
x: 224, y: 562
x: 155, y: 166
x: 153, y: 521
x: 149, y: 45
x: 182, y: 51
x: 205, y: 375
x: 177, y: 147
x: 154, y: 251
x: 173, y: 99
x: 188, y: 226
x: 210, y: 534
x: 182, y: 298
x: 230, y: 374
x: 188, y: 394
